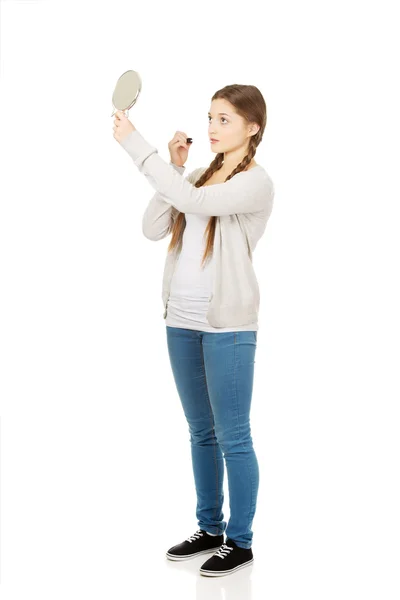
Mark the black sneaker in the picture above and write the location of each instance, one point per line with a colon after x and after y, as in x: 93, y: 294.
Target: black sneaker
x: 228, y: 559
x: 198, y: 543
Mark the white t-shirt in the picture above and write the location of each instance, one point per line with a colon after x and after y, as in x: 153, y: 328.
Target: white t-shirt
x: 191, y: 283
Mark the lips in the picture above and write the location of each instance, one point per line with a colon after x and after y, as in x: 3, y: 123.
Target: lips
x: 213, y: 140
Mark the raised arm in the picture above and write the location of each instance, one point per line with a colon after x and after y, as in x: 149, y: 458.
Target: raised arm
x: 249, y: 191
x: 159, y: 214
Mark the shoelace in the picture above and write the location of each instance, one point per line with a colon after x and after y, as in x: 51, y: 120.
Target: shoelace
x: 223, y: 551
x: 195, y: 536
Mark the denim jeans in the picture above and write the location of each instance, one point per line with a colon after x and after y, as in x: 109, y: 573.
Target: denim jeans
x: 213, y: 373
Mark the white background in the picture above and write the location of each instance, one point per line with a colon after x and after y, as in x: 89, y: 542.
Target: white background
x: 96, y: 479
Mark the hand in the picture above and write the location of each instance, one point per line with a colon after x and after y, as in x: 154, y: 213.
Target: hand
x: 122, y: 126
x: 179, y: 148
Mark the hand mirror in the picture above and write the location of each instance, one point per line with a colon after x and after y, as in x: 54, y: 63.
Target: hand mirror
x: 126, y: 92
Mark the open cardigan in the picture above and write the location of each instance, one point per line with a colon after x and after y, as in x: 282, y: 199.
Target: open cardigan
x: 242, y: 206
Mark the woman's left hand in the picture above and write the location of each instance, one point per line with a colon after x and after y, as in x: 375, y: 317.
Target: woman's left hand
x: 122, y: 126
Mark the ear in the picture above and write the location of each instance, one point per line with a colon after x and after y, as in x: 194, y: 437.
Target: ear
x: 254, y: 128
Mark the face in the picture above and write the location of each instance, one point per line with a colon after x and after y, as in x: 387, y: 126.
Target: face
x: 229, y: 128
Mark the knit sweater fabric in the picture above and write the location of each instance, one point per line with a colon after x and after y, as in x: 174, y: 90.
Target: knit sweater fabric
x: 229, y: 297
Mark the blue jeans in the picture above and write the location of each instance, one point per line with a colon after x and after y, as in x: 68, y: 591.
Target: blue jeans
x: 213, y: 373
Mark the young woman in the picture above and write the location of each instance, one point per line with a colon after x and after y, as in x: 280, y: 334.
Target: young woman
x: 211, y: 299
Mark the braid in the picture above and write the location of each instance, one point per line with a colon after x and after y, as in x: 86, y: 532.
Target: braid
x: 179, y: 223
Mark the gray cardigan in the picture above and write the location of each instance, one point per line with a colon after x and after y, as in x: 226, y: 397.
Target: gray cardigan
x: 242, y: 204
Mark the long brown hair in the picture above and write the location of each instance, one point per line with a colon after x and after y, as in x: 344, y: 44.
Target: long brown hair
x: 250, y: 104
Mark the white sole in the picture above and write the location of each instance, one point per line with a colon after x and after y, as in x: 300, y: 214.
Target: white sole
x: 189, y: 556
x: 221, y: 573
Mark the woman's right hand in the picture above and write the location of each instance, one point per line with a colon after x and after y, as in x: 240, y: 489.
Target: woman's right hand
x: 179, y: 148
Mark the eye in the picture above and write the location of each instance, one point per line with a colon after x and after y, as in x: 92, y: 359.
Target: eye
x: 221, y: 118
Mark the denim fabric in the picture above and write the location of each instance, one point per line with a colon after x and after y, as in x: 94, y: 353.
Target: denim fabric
x: 213, y: 373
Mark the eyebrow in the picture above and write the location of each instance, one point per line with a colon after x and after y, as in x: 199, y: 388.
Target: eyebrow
x: 220, y: 114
